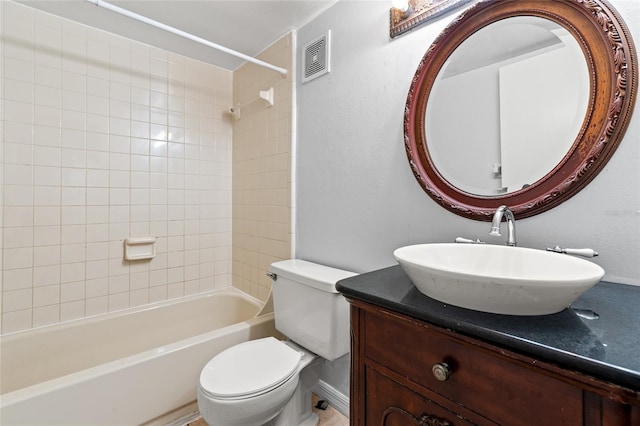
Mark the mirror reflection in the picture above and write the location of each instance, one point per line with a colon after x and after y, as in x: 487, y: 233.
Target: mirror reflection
x: 507, y: 106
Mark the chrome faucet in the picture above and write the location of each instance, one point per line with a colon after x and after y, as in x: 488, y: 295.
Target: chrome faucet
x: 511, y: 225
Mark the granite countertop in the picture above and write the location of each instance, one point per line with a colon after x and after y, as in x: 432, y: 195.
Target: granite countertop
x: 607, y: 348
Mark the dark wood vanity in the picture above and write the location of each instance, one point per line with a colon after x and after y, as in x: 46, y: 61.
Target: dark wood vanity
x: 428, y: 371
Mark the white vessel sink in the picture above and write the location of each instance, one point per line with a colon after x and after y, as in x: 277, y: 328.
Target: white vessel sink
x: 498, y: 279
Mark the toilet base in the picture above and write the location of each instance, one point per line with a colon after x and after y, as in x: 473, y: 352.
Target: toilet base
x: 298, y: 410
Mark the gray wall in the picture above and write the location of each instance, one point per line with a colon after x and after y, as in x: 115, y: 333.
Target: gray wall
x: 357, y: 200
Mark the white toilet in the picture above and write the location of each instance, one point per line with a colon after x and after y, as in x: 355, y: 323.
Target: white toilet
x: 267, y: 381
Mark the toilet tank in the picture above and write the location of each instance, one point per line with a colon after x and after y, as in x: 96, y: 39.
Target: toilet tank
x: 308, y: 309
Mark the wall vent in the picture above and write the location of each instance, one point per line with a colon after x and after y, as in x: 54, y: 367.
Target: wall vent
x: 316, y: 58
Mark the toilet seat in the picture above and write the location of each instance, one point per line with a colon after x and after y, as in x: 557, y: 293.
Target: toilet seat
x: 249, y: 369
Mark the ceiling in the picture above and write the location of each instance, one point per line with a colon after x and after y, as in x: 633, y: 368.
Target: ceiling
x: 247, y: 26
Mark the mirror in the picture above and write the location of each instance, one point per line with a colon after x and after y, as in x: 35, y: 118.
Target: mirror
x: 521, y: 86
x: 519, y: 103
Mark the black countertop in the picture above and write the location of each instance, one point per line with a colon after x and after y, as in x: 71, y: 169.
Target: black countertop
x: 607, y: 348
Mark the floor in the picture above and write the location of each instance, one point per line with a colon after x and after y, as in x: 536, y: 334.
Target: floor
x: 328, y: 417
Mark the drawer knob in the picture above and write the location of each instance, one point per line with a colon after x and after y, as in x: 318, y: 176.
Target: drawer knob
x: 441, y: 371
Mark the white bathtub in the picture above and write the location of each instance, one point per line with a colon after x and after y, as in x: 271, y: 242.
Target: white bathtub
x: 124, y: 368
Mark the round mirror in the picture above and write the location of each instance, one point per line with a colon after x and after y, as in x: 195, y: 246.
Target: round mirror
x: 519, y: 103
x: 521, y: 88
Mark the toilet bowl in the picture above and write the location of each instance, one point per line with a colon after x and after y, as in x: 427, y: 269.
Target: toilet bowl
x: 251, y: 383
x: 268, y: 381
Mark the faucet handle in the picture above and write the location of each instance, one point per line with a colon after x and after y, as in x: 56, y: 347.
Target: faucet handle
x: 585, y: 252
x: 468, y: 241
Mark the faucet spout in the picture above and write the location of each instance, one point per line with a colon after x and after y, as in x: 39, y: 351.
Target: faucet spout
x: 511, y: 224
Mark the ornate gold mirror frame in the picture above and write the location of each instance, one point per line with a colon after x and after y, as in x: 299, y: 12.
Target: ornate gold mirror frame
x: 611, y: 60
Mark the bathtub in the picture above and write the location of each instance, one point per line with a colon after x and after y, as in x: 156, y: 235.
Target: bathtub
x: 123, y: 368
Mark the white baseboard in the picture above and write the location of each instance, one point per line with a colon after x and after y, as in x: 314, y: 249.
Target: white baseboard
x: 336, y: 399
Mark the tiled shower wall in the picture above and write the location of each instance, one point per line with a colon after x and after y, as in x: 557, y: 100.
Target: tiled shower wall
x: 262, y: 180
x: 104, y: 138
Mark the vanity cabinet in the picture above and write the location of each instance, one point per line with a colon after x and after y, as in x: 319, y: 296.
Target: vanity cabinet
x: 410, y: 372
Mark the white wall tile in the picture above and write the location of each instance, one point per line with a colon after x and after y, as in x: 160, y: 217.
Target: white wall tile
x: 97, y: 178
x: 73, y: 215
x: 46, y: 295
x: 72, y: 310
x: 47, y: 176
x: 74, y: 119
x: 47, y: 116
x: 72, y: 253
x: 74, y: 101
x: 72, y: 291
x: 16, y: 320
x: 15, y: 258
x: 97, y: 87
x: 72, y: 234
x: 46, y: 255
x: 18, y: 174
x: 97, y: 105
x: 15, y: 237
x: 47, y: 76
x: 19, y: 91
x: 17, y: 69
x: 47, y: 156
x: 17, y: 279
x: 140, y: 130
x: 47, y: 96
x: 16, y: 300
x: 46, y: 235
x: 97, y: 306
x: 97, y: 160
x: 71, y: 272
x: 97, y: 123
x: 140, y: 112
x: 48, y: 136
x: 97, y: 269
x: 97, y: 232
x: 46, y: 216
x: 18, y: 132
x: 21, y: 112
x: 74, y: 139
x: 46, y: 275
x: 73, y: 196
x: 97, y: 196
x: 46, y: 315
x: 73, y: 44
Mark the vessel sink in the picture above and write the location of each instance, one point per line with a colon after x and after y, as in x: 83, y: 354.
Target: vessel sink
x: 498, y: 279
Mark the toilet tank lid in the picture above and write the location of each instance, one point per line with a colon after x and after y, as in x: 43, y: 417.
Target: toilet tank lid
x: 312, y: 274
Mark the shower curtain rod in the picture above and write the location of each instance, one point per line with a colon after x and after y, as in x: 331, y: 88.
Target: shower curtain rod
x: 186, y: 35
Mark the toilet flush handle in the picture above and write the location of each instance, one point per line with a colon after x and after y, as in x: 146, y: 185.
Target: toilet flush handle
x: 273, y: 276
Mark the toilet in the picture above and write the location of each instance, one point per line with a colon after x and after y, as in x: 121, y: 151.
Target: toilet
x: 268, y: 381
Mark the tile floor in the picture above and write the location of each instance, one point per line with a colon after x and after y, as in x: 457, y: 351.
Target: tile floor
x: 328, y: 417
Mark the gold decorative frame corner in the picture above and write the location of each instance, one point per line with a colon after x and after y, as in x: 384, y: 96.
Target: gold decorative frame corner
x: 420, y: 12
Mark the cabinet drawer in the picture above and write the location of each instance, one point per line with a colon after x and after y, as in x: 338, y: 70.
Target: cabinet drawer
x: 502, y: 390
x: 390, y: 404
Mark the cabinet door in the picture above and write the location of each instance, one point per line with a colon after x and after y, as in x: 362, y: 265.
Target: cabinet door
x: 390, y: 404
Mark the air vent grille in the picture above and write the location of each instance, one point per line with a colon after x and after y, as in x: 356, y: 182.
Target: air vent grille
x: 316, y: 58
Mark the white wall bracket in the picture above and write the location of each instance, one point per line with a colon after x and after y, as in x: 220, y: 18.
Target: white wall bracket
x: 266, y: 95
